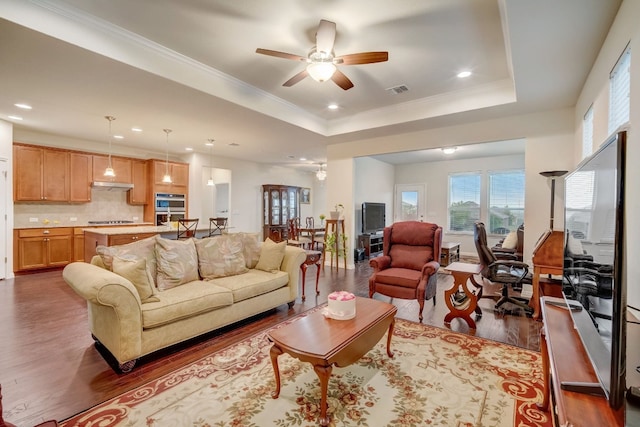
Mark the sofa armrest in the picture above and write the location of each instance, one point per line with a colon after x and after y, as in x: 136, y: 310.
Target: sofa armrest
x: 293, y: 259
x: 380, y: 263
x: 430, y: 268
x: 115, y: 309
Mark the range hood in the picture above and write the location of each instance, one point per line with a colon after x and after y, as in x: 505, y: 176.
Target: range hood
x: 111, y: 186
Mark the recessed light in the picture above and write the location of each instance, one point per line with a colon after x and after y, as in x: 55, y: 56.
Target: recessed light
x: 463, y: 74
x: 15, y: 117
x: 303, y: 159
x: 333, y: 106
x: 136, y: 129
x: 118, y: 136
x: 449, y: 150
x: 189, y: 149
x: 23, y: 106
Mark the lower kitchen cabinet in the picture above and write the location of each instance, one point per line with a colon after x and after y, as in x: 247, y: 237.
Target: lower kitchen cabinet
x: 38, y: 248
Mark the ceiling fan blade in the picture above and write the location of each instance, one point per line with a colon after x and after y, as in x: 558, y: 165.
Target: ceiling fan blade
x: 295, y: 79
x: 279, y: 54
x: 341, y: 80
x: 325, y: 36
x: 362, y: 58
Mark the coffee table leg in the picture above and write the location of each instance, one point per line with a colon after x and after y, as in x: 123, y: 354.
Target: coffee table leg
x: 389, y: 335
x: 323, y: 372
x: 274, y: 353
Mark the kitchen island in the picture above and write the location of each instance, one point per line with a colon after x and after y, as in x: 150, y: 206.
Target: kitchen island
x: 112, y: 236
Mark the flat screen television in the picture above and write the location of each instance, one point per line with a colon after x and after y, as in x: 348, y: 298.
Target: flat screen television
x: 593, y: 280
x: 373, y: 217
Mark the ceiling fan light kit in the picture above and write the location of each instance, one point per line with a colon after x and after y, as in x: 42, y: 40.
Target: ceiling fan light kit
x: 322, y: 61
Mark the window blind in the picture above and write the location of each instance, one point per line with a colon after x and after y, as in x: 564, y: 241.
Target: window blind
x: 587, y: 133
x: 619, y: 90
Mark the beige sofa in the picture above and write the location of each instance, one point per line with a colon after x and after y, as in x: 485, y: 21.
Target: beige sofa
x: 156, y: 292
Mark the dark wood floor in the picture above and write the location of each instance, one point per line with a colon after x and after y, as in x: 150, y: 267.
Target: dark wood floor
x: 50, y: 369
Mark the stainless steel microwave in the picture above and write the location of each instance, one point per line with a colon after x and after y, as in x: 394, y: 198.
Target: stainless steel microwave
x: 167, y: 202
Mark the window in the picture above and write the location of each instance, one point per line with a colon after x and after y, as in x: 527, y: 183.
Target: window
x: 619, y: 88
x: 587, y: 133
x: 464, y: 201
x: 506, y: 201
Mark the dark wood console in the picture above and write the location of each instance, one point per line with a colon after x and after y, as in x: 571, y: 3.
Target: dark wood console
x: 565, y: 359
x: 372, y: 244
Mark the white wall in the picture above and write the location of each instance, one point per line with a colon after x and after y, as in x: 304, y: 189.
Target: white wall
x: 625, y: 30
x: 6, y: 207
x: 374, y: 182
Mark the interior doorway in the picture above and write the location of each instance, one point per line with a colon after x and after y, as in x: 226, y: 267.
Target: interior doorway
x: 4, y: 241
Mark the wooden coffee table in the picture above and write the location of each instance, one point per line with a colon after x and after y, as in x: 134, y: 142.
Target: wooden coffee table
x: 327, y: 342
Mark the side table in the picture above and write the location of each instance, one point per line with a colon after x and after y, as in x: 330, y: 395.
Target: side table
x: 461, y: 300
x: 449, y: 252
x: 313, y: 257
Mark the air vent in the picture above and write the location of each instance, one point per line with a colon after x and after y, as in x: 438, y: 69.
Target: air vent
x: 396, y: 90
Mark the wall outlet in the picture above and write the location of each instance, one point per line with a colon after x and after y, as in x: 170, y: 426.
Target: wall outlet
x: 73, y: 219
x: 33, y: 219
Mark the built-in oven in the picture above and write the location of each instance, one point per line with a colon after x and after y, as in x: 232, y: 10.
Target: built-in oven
x: 170, y: 207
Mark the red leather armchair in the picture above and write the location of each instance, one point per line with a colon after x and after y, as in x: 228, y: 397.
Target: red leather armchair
x: 409, y: 262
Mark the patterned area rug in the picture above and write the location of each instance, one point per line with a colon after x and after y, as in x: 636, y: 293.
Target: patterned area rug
x: 436, y: 377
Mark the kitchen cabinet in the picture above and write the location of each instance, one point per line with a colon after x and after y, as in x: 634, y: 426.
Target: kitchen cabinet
x: 280, y: 204
x: 40, y: 174
x: 81, y: 172
x: 121, y: 166
x: 38, y: 248
x: 78, y: 244
x: 139, y: 178
x: 179, y: 173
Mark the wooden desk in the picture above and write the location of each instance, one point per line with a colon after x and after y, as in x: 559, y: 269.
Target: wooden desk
x: 535, y: 282
x: 565, y: 359
x: 462, y: 273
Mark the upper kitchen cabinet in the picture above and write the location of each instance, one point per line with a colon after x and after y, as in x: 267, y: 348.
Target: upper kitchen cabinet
x: 81, y: 172
x: 40, y: 174
x: 140, y: 176
x: 179, y: 173
x: 121, y: 166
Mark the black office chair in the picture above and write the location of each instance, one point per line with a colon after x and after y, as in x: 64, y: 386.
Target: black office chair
x: 187, y: 228
x: 217, y: 226
x: 585, y: 279
x: 509, y: 273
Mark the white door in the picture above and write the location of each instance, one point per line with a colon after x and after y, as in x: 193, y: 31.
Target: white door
x: 4, y: 242
x: 410, y: 202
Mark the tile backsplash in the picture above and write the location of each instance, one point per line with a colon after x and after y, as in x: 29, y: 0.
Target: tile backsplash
x: 104, y: 205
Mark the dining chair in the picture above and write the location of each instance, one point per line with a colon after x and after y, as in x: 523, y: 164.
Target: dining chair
x: 217, y: 226
x: 294, y: 238
x: 187, y: 228
x: 315, y: 235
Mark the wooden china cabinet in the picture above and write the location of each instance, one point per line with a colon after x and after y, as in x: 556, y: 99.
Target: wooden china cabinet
x: 280, y: 203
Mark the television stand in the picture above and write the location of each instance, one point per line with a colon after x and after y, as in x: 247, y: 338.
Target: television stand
x: 372, y: 244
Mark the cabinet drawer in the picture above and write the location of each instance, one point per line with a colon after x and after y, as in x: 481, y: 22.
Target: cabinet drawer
x: 41, y: 232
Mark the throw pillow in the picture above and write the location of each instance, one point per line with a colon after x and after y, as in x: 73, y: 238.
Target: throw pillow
x: 511, y: 241
x: 220, y: 256
x: 177, y: 262
x: 137, y: 273
x: 271, y: 255
x: 250, y: 248
x: 141, y: 249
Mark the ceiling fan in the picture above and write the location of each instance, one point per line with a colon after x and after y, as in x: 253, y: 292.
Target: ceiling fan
x: 321, y: 60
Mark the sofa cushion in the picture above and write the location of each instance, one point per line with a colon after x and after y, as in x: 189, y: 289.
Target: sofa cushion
x: 141, y: 249
x: 137, y: 273
x: 399, y: 277
x: 511, y: 241
x: 271, y: 256
x: 220, y: 256
x: 184, y: 301
x: 251, y: 245
x: 254, y: 282
x: 177, y: 262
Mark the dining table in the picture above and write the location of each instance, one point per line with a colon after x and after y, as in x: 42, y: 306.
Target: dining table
x: 311, y: 233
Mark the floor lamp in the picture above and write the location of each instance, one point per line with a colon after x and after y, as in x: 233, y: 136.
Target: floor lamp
x: 553, y: 175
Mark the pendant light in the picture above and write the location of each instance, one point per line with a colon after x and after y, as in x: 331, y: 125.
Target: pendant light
x: 166, y: 179
x: 210, y: 182
x: 109, y: 172
x: 321, y: 174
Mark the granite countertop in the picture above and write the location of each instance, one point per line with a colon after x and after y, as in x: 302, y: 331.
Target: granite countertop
x: 131, y: 229
x: 53, y: 224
